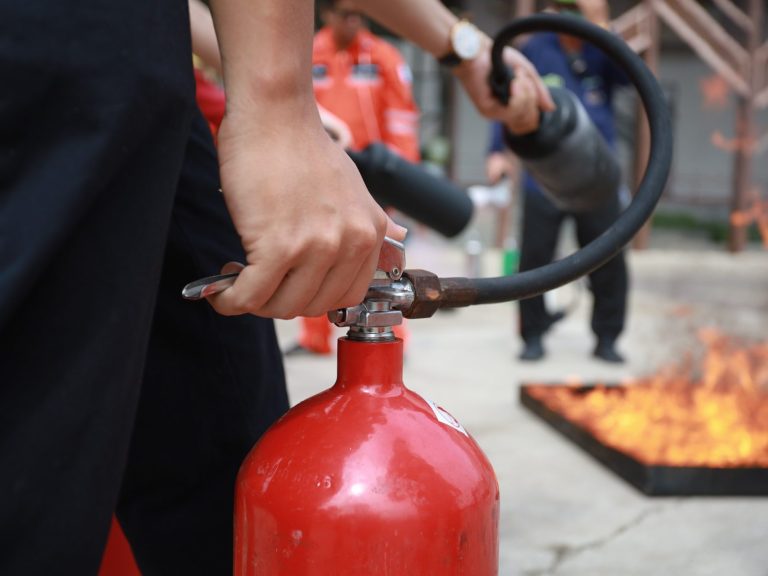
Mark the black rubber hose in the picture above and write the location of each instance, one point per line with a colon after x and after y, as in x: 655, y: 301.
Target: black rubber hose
x: 611, y: 242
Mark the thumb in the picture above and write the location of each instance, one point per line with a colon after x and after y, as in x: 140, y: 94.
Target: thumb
x: 395, y: 231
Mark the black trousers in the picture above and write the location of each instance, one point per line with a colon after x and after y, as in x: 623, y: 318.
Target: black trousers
x: 609, y: 284
x: 108, y: 206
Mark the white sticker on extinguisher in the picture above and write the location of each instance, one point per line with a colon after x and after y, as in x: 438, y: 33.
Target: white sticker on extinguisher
x: 445, y: 418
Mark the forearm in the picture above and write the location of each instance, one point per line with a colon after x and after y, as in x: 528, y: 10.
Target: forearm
x: 266, y: 53
x: 204, y: 42
x: 426, y: 23
x: 429, y: 24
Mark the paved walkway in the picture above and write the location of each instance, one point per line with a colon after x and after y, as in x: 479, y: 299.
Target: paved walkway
x: 562, y: 513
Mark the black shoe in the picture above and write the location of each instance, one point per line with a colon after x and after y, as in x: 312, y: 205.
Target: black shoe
x: 532, y: 349
x: 606, y: 350
x: 297, y: 349
x: 554, y: 318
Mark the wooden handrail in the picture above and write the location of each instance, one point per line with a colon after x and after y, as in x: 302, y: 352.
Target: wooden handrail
x: 708, y: 39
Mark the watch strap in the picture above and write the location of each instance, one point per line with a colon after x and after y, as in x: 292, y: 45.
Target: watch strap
x: 450, y: 60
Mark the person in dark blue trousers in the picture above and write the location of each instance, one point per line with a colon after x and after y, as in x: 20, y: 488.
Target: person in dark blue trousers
x: 582, y: 68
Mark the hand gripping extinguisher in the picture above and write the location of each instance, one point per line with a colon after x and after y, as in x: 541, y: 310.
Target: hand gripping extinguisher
x: 368, y: 478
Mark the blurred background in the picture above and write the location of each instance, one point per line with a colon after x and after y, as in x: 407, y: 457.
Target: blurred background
x: 699, y: 50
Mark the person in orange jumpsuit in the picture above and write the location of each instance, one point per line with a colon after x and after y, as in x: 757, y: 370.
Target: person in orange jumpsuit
x: 363, y: 81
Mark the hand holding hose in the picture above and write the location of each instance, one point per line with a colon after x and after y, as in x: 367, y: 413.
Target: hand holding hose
x: 528, y: 95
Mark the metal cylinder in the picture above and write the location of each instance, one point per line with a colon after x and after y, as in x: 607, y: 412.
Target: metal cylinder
x: 568, y: 157
x: 366, y: 478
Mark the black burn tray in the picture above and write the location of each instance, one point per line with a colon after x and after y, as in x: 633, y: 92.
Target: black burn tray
x: 653, y: 480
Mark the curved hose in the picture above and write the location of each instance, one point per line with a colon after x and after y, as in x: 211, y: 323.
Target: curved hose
x: 599, y: 251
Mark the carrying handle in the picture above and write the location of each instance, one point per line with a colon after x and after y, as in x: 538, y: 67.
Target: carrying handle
x: 389, y: 269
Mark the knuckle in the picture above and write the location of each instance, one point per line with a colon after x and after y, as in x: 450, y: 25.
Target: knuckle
x: 286, y: 314
x: 249, y: 303
x: 364, y: 240
x: 314, y: 311
x: 328, y: 243
x: 373, y: 233
x: 291, y: 248
x: 279, y: 310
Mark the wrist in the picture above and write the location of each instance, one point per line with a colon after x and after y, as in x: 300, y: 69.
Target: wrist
x: 258, y: 123
x: 465, y: 68
x: 271, y: 99
x: 463, y: 44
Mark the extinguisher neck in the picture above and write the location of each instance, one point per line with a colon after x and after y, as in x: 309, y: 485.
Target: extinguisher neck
x: 372, y: 367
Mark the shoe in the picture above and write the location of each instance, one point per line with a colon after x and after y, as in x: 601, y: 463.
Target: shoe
x: 606, y: 350
x: 554, y: 318
x: 297, y: 349
x: 533, y: 349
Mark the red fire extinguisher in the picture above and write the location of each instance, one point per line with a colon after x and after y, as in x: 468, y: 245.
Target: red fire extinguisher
x: 367, y: 477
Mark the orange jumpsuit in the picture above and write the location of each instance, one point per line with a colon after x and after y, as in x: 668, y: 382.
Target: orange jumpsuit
x: 368, y: 86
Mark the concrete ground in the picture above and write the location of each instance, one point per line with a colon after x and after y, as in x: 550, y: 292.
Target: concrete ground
x: 562, y: 513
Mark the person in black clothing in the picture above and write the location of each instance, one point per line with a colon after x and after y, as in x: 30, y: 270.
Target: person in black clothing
x: 116, y: 395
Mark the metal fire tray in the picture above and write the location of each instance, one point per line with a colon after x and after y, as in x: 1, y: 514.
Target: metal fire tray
x: 649, y: 479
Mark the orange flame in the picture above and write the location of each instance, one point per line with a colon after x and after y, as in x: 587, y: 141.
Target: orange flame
x: 718, y: 418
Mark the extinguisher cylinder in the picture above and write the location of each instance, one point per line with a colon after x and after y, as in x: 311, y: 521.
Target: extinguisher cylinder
x: 366, y: 478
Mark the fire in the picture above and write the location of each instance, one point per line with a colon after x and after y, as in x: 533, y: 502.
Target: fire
x: 716, y: 416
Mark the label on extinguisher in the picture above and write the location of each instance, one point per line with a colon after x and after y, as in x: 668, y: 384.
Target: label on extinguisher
x: 445, y: 418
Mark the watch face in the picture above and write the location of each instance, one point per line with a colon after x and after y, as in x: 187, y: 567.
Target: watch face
x: 466, y: 40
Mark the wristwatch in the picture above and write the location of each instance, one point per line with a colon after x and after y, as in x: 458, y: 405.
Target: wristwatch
x: 466, y: 42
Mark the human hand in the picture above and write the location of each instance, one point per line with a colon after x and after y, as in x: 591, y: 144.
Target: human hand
x: 310, y: 229
x: 497, y: 165
x: 528, y: 98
